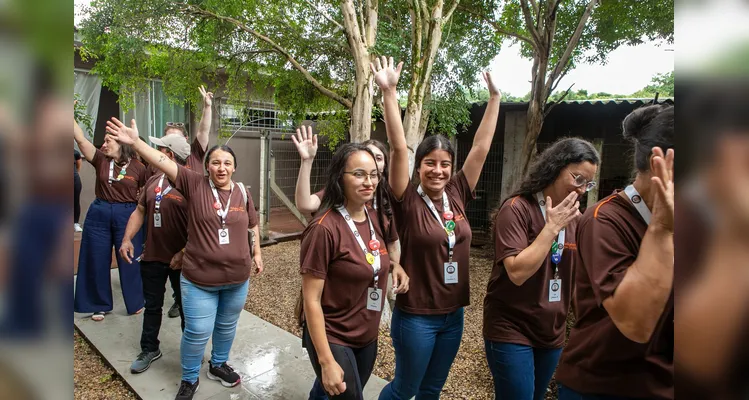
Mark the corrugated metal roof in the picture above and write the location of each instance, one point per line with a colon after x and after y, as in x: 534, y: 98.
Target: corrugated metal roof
x: 661, y: 100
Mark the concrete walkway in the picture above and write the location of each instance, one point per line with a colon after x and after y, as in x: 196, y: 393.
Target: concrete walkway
x: 271, y: 361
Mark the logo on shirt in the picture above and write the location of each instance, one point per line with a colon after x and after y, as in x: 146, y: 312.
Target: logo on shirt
x: 236, y: 209
x: 173, y: 197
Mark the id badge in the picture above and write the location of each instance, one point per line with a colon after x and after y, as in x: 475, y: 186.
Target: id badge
x: 451, y: 273
x: 555, y: 290
x: 157, y: 220
x: 223, y: 236
x: 374, y: 302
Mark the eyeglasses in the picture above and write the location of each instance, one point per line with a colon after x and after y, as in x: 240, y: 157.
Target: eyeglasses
x: 580, y: 181
x: 361, y: 175
x: 175, y: 124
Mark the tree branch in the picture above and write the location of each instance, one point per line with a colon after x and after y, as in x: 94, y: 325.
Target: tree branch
x: 324, y: 14
x: 529, y: 21
x: 498, y: 28
x: 549, y: 108
x: 450, y: 11
x: 311, y: 79
x: 372, y: 21
x: 361, y: 22
x: 574, y: 40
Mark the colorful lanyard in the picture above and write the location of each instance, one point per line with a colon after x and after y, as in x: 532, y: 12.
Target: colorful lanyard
x: 638, y: 202
x: 448, y: 225
x: 123, y: 171
x: 373, y: 257
x: 159, y: 194
x: 558, y: 246
x: 222, y: 213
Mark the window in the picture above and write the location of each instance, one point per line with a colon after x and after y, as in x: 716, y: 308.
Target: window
x: 152, y: 111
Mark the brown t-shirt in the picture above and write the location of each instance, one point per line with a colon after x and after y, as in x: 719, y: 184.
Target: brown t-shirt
x: 523, y: 314
x: 164, y: 242
x: 194, y: 160
x: 390, y: 228
x: 122, y: 191
x: 331, y: 252
x: 424, y: 250
x: 207, y: 262
x: 598, y: 358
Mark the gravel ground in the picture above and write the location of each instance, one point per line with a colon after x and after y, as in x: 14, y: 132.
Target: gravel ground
x: 92, y: 378
x: 273, y: 296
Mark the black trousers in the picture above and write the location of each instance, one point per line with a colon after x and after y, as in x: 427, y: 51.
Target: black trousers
x: 357, y: 365
x: 155, y: 275
x: 77, y: 187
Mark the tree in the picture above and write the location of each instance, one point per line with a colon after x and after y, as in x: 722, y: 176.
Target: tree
x: 313, y: 55
x: 558, y: 34
x: 663, y: 84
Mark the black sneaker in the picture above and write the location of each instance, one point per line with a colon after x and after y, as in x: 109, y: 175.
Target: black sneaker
x: 224, y: 374
x: 174, y: 311
x: 187, y: 390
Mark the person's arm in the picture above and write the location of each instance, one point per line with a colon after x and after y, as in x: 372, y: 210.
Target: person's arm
x: 87, y: 148
x: 257, y: 258
x: 204, y: 127
x: 482, y: 141
x: 400, y: 278
x: 332, y: 373
x: 306, y: 145
x: 78, y: 165
x: 387, y: 75
x: 134, y: 223
x: 640, y: 298
x: 521, y: 267
x: 126, y: 135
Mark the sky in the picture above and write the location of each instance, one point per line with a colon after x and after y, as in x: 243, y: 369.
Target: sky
x: 629, y: 68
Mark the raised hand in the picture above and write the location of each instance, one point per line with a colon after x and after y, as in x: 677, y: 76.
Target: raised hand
x: 122, y: 133
x: 207, y: 96
x: 386, y: 74
x: 305, y: 142
x: 565, y: 212
x: 662, y: 168
x: 493, y: 89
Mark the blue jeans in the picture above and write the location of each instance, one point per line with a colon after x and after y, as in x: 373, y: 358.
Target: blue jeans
x: 520, y: 372
x: 207, y: 310
x: 566, y: 393
x: 425, y: 347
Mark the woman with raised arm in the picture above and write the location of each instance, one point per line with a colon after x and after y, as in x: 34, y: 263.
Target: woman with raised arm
x: 435, y: 236
x: 625, y: 261
x: 345, y: 265
x: 218, y: 261
x: 119, y: 177
x: 530, y: 288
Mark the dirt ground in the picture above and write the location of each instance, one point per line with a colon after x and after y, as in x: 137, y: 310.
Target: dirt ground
x: 273, y: 297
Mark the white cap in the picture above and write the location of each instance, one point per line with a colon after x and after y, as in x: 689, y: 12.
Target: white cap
x: 176, y: 143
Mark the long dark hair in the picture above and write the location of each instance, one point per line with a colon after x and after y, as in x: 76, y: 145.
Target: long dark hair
x: 428, y: 145
x: 549, y: 164
x: 648, y: 127
x: 334, y: 195
x: 385, y: 154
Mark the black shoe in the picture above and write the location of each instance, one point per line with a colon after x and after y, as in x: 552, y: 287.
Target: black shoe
x: 187, y: 391
x: 224, y: 374
x: 174, y: 311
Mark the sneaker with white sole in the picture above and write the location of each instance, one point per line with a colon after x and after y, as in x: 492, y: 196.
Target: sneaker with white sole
x: 187, y: 390
x: 224, y: 374
x: 144, y: 360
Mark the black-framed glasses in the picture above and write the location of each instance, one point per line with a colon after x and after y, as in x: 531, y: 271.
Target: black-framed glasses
x: 361, y: 175
x: 580, y: 181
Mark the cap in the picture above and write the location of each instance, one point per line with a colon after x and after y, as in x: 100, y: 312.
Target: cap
x: 176, y: 143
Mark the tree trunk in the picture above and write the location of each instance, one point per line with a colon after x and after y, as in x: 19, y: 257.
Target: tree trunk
x: 361, y: 110
x: 534, y: 122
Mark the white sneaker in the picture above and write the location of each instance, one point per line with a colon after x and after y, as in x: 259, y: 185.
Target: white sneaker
x: 77, y: 227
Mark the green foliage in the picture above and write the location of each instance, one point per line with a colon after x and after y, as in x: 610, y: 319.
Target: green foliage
x: 81, y: 117
x: 663, y: 84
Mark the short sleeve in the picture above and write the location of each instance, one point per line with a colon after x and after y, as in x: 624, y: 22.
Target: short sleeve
x: 458, y: 186
x: 197, y: 150
x: 251, y: 213
x: 511, y: 229
x: 604, y: 255
x: 142, y: 198
x: 316, y: 251
x: 391, y: 231
x: 320, y: 194
x: 98, y: 159
x: 187, y: 181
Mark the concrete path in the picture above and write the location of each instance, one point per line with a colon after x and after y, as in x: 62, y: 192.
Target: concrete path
x: 271, y: 361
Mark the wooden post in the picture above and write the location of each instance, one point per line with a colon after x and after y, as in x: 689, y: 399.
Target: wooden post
x: 593, y: 194
x: 282, y: 196
x: 264, y: 199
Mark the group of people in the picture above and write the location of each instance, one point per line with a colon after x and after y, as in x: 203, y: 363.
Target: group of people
x: 376, y: 222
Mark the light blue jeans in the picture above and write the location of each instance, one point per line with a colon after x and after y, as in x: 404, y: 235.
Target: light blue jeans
x: 207, y: 310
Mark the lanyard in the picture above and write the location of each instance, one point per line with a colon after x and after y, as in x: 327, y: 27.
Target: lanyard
x: 638, y: 202
x: 123, y: 171
x: 448, y: 225
x: 222, y: 213
x: 373, y: 258
x: 159, y: 194
x: 558, y: 246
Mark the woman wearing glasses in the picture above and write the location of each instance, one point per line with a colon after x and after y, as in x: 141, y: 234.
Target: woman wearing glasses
x: 344, y: 264
x: 530, y: 287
